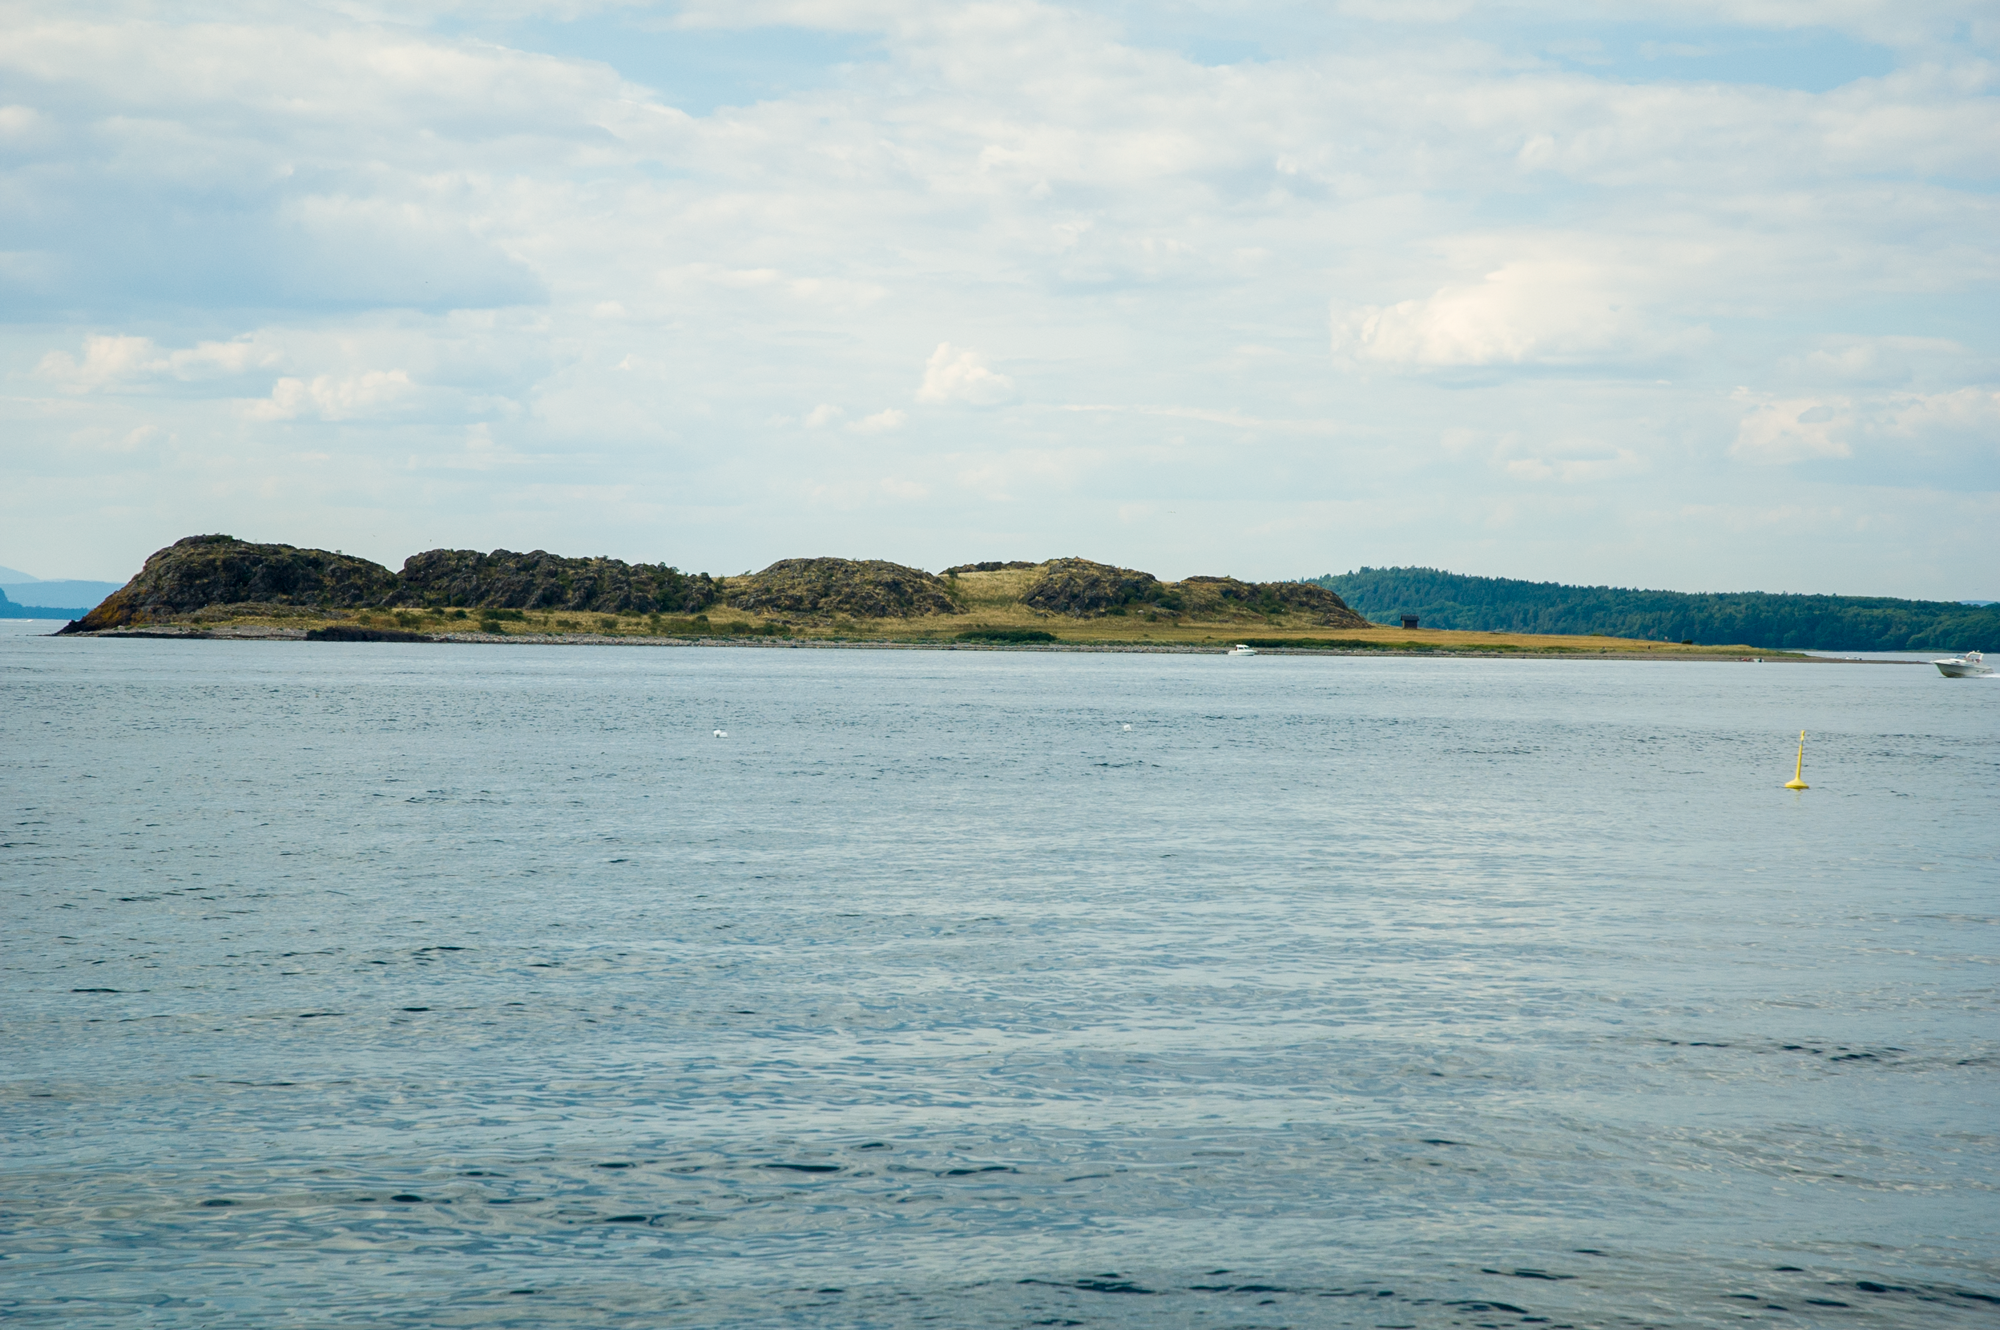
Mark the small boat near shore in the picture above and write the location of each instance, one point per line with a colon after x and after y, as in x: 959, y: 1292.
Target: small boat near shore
x: 1971, y: 665
x: 1242, y: 649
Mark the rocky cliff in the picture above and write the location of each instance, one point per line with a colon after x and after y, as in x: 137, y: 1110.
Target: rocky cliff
x: 858, y: 588
x: 201, y: 571
x: 539, y: 580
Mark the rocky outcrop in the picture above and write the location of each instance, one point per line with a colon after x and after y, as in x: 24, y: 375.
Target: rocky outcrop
x: 202, y: 571
x: 1305, y: 598
x: 1080, y: 587
x: 539, y: 580
x: 858, y: 588
x: 1200, y: 596
x: 993, y: 567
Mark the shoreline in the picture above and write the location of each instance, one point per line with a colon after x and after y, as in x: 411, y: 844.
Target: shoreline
x: 261, y: 633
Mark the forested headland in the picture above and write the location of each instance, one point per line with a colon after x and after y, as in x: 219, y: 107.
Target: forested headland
x: 1772, y: 621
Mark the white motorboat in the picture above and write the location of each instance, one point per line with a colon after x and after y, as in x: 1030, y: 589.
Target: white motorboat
x: 1242, y: 649
x: 1968, y: 666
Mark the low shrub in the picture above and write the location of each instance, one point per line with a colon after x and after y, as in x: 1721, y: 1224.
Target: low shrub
x: 1005, y: 635
x: 342, y: 632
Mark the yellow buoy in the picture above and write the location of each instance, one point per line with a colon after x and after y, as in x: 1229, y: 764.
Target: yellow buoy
x: 1798, y: 780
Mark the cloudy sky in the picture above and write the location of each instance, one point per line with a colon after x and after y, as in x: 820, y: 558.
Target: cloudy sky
x: 1707, y: 297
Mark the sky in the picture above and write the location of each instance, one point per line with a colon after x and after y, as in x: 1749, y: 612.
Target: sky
x: 1703, y: 297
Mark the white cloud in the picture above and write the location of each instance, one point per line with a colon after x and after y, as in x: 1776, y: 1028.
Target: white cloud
x: 331, y: 398
x: 1526, y: 312
x: 112, y: 361
x: 106, y: 360
x: 960, y: 375
x: 823, y: 415
x: 1965, y: 411
x: 879, y: 423
x: 824, y: 291
x: 1789, y: 429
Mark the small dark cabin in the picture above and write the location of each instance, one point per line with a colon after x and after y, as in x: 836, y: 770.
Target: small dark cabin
x: 1409, y: 621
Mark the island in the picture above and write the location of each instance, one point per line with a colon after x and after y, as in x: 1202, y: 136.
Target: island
x: 216, y: 586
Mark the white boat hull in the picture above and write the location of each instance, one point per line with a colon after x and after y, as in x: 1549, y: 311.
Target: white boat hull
x: 1959, y: 669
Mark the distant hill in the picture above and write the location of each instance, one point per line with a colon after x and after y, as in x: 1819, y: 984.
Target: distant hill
x: 1774, y: 622
x: 10, y: 609
x: 64, y: 591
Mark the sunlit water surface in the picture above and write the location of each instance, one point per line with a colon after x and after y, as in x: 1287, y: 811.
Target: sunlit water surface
x: 357, y: 985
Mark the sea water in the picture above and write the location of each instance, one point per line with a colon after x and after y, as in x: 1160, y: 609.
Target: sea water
x: 412, y: 985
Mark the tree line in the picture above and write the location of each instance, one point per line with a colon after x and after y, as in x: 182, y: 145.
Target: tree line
x: 1776, y: 622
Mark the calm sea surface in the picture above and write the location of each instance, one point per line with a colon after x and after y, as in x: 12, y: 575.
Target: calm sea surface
x: 376, y: 985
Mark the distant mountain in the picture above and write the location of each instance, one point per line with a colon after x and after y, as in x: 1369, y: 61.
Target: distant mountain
x: 68, y: 591
x: 11, y: 610
x: 1753, y: 618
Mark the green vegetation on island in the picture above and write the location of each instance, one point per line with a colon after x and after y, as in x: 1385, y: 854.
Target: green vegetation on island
x: 206, y: 586
x: 540, y: 580
x: 220, y: 577
x: 1767, y: 621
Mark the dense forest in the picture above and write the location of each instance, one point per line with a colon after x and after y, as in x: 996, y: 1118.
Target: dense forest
x: 1751, y: 618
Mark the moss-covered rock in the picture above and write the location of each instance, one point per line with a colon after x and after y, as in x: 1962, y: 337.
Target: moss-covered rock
x: 859, y: 588
x: 1081, y: 587
x: 1305, y: 598
x: 200, y: 571
x: 1224, y: 596
x: 539, y: 580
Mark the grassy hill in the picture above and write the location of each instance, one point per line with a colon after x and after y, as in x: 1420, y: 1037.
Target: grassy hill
x: 1771, y: 622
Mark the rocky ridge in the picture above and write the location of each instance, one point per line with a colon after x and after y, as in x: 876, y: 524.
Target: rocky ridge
x: 1081, y: 588
x: 215, y: 579
x: 217, y: 576
x: 1214, y: 595
x: 857, y: 588
x: 539, y: 580
x: 198, y: 572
